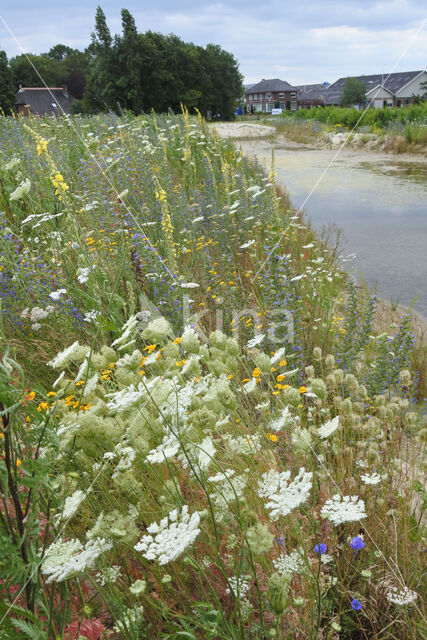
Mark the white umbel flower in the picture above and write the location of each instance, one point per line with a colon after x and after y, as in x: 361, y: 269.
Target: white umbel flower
x: 255, y: 341
x: 63, y: 560
x: 171, y: 537
x: 283, y: 495
x: 292, y: 563
x: 63, y: 358
x: 168, y: 448
x: 371, y: 478
x: 71, y: 505
x: 343, y: 509
x: 21, y: 190
x: 401, y: 598
x: 328, y: 428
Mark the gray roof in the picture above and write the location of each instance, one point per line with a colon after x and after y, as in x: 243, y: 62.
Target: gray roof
x: 41, y: 100
x: 312, y: 91
x: 393, y: 82
x: 271, y: 85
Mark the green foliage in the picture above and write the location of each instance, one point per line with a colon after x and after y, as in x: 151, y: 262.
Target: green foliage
x: 7, y: 93
x: 353, y: 92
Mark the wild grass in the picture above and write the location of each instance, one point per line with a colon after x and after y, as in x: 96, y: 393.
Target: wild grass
x: 203, y: 434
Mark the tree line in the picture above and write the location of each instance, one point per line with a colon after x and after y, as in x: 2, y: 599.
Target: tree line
x: 131, y: 71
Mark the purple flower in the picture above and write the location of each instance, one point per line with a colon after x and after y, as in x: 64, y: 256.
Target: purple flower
x: 357, y: 543
x: 320, y: 548
x: 356, y: 605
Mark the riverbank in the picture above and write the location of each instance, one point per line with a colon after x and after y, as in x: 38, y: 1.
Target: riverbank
x: 323, y: 136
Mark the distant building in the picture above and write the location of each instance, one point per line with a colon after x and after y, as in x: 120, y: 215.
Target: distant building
x: 311, y: 95
x: 383, y: 90
x: 265, y: 95
x: 40, y: 101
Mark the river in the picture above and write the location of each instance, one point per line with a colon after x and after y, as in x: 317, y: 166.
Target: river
x: 378, y: 201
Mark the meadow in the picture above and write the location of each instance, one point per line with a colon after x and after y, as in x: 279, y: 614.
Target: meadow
x: 203, y: 435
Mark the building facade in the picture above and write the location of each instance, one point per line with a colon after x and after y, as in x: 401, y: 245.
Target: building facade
x: 269, y: 94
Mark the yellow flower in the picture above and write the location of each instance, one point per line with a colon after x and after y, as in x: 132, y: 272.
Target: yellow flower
x: 51, y: 393
x: 18, y: 462
x: 302, y: 389
x: 150, y: 348
x: 177, y: 340
x: 283, y: 363
x: 271, y: 437
x: 256, y: 373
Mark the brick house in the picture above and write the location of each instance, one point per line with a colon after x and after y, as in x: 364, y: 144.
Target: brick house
x: 265, y: 95
x: 40, y: 101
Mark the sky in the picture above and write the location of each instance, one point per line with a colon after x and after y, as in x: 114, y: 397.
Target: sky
x: 302, y: 41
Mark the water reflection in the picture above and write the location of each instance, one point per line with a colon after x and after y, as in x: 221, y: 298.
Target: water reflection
x: 379, y: 202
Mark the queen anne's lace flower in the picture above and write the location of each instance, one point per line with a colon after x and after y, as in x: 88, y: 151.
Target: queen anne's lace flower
x: 255, y: 341
x: 372, y: 478
x: 71, y: 505
x: 168, y: 448
x: 63, y: 560
x: 292, y: 563
x: 346, y: 509
x: 281, y: 421
x: 328, y: 428
x: 401, y: 598
x: 200, y: 454
x: 171, y: 537
x: 283, y: 496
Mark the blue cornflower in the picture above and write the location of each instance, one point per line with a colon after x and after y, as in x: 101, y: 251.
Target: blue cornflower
x: 357, y: 543
x: 356, y: 605
x: 320, y: 548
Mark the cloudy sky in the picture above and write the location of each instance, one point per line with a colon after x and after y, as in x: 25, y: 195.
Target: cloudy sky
x: 303, y: 41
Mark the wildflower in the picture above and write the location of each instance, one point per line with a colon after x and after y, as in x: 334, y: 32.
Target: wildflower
x: 302, y: 389
x: 357, y: 543
x: 402, y: 598
x: 247, y: 244
x: 283, y: 495
x: 291, y: 563
x: 171, y: 537
x: 346, y: 509
x: 108, y: 575
x: 138, y: 587
x: 255, y: 341
x: 21, y: 190
x: 189, y: 285
x: 168, y: 448
x: 356, y: 605
x: 328, y: 428
x: 71, y: 505
x: 320, y: 548
x: 55, y: 295
x: 373, y: 478
x: 63, y: 560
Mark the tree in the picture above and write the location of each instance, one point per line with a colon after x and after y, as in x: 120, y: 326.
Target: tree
x: 354, y: 92
x: 129, y: 81
x: 7, y: 90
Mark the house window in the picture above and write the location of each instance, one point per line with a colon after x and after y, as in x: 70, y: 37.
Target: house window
x: 261, y: 96
x: 407, y: 100
x: 251, y: 96
x: 293, y: 94
x: 268, y: 96
x: 281, y: 95
x: 255, y: 96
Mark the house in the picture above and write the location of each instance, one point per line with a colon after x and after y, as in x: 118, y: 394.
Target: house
x: 311, y: 95
x: 382, y: 90
x: 265, y: 95
x: 40, y: 101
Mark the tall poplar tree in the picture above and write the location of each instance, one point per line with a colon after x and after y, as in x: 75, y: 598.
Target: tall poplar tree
x: 129, y: 58
x: 7, y: 90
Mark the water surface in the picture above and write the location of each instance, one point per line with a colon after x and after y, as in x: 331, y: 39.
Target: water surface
x: 377, y: 200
